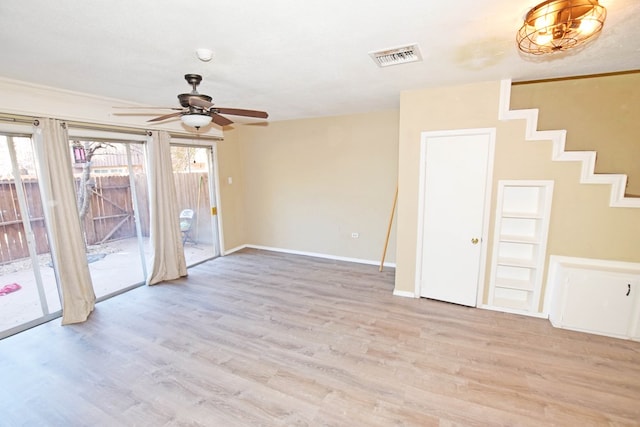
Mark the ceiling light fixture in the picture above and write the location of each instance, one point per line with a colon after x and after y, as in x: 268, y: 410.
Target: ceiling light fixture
x: 196, y: 120
x: 558, y: 25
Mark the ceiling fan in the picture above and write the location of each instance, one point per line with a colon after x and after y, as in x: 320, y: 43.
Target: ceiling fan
x: 198, y: 110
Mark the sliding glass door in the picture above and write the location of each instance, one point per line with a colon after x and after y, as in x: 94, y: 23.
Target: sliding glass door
x: 111, y: 186
x: 28, y: 291
x: 192, y: 167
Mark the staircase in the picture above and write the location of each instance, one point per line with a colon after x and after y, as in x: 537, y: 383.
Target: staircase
x: 618, y: 182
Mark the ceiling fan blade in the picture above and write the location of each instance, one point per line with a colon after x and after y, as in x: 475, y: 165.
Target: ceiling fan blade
x: 241, y: 112
x: 220, y: 120
x: 165, y: 117
x: 148, y: 108
x: 194, y: 101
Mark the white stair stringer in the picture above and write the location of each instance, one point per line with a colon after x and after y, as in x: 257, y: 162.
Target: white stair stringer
x: 618, y: 182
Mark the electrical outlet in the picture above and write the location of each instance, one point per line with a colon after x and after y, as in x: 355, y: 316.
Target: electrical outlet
x: 355, y: 235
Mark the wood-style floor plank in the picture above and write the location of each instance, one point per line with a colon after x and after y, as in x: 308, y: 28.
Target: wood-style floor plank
x: 264, y: 338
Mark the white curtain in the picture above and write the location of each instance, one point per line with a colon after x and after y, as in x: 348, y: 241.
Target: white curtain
x: 166, y: 239
x: 61, y: 213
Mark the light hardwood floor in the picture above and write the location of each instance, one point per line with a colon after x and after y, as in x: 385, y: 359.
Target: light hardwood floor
x: 263, y: 338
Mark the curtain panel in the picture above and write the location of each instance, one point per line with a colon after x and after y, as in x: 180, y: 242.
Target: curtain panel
x: 68, y: 250
x: 166, y: 238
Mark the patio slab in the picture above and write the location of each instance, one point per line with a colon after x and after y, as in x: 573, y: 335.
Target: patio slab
x: 117, y: 265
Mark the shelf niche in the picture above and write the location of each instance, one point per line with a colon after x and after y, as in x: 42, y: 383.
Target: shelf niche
x: 519, y: 246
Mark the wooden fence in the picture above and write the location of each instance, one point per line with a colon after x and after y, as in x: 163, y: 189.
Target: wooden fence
x: 110, y: 217
x: 13, y: 243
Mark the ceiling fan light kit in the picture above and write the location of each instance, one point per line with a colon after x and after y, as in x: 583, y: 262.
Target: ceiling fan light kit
x: 198, y: 110
x: 559, y: 25
x: 196, y: 120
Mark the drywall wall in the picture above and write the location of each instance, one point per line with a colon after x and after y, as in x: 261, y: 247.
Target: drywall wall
x: 599, y: 113
x: 582, y: 223
x: 310, y: 184
x: 231, y: 176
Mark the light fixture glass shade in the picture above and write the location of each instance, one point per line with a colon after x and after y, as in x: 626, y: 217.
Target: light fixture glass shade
x: 196, y: 120
x: 558, y: 25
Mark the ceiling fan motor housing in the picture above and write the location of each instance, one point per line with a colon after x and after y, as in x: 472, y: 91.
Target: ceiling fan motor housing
x: 198, y: 110
x: 194, y: 80
x: 184, y: 98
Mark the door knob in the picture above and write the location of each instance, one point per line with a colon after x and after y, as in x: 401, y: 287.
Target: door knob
x: 475, y: 240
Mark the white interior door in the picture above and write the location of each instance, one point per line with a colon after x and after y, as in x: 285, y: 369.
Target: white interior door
x: 454, y: 173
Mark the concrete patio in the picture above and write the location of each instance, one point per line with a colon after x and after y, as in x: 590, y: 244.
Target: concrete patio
x: 116, y: 266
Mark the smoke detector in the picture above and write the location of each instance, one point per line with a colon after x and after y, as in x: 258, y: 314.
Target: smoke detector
x: 397, y: 55
x: 204, y: 55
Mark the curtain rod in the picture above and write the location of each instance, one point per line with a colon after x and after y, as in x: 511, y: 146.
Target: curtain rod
x: 18, y: 119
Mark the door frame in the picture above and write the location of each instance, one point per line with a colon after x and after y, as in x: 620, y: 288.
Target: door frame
x: 424, y: 138
x: 214, y: 196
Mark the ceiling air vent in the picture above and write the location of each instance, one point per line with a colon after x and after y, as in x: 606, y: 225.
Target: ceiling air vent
x: 397, y: 55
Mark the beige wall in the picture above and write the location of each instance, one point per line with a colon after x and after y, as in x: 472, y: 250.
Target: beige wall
x: 582, y: 223
x: 310, y: 183
x: 231, y: 194
x: 599, y: 113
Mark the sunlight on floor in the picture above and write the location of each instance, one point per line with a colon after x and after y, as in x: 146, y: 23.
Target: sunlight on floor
x: 113, y: 266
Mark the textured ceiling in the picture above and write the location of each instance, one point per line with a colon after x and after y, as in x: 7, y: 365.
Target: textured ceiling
x: 291, y: 58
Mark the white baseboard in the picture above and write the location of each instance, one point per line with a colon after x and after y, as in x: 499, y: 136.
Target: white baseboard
x: 236, y: 249
x: 514, y: 311
x: 316, y: 255
x: 405, y: 294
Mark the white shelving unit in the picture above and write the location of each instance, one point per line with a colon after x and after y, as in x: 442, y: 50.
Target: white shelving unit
x: 519, y: 245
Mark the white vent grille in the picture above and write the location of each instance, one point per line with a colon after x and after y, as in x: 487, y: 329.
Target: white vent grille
x: 397, y: 55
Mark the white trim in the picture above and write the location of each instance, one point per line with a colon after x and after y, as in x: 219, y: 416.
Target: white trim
x: 420, y: 233
x: 405, y: 294
x: 420, y: 229
x: 16, y: 128
x: 319, y: 255
x: 213, y: 159
x: 596, y: 264
x: 558, y: 137
x: 232, y: 250
x: 85, y: 133
x: 513, y: 311
x: 491, y: 132
x: 24, y: 84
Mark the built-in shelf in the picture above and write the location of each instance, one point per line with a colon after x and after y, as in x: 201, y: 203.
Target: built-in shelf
x: 522, y: 215
x: 519, y: 239
x: 519, y: 246
x: 516, y: 262
x: 524, y: 285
